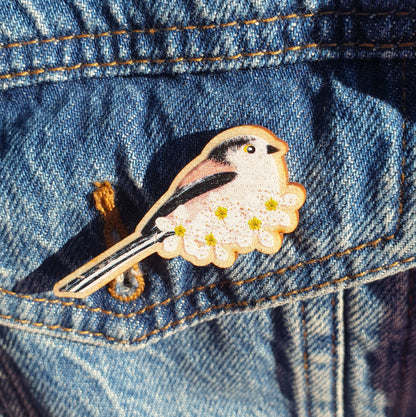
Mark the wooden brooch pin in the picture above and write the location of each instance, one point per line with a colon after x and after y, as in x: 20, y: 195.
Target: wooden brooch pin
x: 232, y: 199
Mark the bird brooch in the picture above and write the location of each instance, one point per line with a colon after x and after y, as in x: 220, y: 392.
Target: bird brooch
x: 233, y: 198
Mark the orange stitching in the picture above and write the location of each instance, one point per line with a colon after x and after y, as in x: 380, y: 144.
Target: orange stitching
x: 203, y: 59
x: 224, y: 307
x: 196, y: 289
x: 152, y: 31
x: 305, y: 359
x: 104, y: 200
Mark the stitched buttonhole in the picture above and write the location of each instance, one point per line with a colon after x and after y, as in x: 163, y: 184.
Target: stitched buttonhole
x: 129, y: 285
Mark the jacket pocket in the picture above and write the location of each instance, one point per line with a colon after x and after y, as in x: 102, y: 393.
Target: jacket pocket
x: 350, y: 130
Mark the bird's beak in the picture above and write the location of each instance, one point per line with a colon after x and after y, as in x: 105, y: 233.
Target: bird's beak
x: 271, y: 149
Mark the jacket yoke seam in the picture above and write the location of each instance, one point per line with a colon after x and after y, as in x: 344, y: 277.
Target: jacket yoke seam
x: 241, y: 55
x: 250, y: 22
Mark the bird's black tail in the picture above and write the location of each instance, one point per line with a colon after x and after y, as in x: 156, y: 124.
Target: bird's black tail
x: 100, y: 270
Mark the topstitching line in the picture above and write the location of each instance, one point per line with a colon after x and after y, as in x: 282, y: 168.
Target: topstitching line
x: 159, y: 61
x: 152, y: 31
x: 224, y: 307
x: 200, y: 288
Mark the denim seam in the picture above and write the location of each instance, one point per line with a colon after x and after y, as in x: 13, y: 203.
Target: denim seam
x: 224, y: 307
x: 305, y: 360
x: 196, y: 289
x: 202, y: 287
x: 241, y: 55
x: 207, y: 27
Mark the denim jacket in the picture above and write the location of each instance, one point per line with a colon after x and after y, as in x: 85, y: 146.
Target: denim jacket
x: 129, y: 93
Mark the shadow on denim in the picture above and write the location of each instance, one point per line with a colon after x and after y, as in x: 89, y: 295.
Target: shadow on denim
x: 380, y: 353
x: 393, y: 363
x: 16, y: 399
x: 89, y: 242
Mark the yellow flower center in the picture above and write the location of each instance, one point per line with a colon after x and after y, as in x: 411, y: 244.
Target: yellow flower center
x: 221, y: 212
x: 271, y: 204
x: 210, y: 239
x: 180, y: 230
x: 254, y: 223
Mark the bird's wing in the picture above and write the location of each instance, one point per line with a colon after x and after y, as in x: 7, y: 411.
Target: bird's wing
x: 188, y: 192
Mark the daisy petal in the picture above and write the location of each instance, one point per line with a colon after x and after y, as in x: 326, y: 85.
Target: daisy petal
x: 190, y: 246
x: 164, y: 224
x: 225, y: 236
x: 278, y: 218
x: 284, y: 219
x: 220, y: 253
x: 181, y: 213
x: 170, y: 243
x: 202, y: 252
x: 289, y: 200
x: 266, y: 239
x: 244, y: 239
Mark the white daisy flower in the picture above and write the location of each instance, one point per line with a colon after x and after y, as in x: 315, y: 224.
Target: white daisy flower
x: 209, y: 230
x: 177, y: 222
x: 251, y: 228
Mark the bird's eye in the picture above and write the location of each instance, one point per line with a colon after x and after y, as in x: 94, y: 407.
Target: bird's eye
x: 249, y: 149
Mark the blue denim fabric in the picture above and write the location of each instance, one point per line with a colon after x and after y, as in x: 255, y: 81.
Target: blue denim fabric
x: 131, y: 93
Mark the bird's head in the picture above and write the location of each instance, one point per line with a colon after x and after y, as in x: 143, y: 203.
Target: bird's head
x: 244, y: 153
